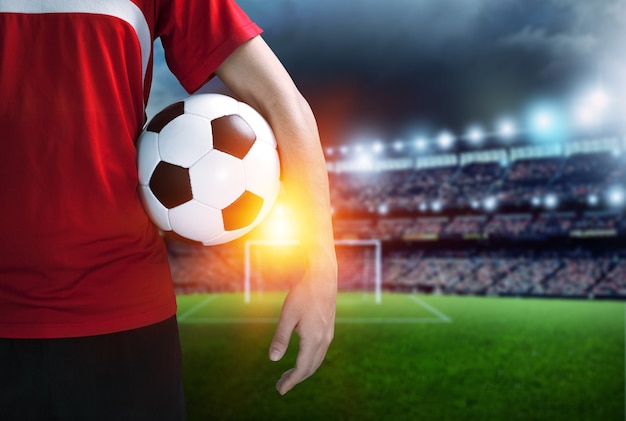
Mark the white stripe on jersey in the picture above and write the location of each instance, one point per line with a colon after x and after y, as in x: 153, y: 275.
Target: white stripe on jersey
x: 125, y: 10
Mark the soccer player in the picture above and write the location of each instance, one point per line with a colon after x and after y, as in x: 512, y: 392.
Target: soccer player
x: 87, y: 308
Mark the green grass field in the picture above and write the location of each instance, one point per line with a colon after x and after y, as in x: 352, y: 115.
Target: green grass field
x: 411, y: 358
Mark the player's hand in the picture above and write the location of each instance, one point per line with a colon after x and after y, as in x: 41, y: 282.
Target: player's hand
x: 308, y: 310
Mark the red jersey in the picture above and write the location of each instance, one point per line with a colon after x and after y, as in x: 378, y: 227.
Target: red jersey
x: 78, y: 255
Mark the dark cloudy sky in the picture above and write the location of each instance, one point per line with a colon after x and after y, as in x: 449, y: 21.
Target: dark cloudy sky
x: 392, y: 68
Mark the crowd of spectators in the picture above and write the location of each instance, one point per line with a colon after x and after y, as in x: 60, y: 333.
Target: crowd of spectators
x: 508, y: 225
x: 525, y: 276
x: 614, y: 284
x: 558, y: 273
x: 490, y: 271
x: 500, y: 225
x: 577, y: 277
x: 520, y: 184
x: 397, y: 208
x: 197, y: 268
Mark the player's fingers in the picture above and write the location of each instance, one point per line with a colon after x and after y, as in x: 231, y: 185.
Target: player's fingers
x: 282, y: 336
x: 309, y: 359
x: 285, y: 383
x: 294, y: 376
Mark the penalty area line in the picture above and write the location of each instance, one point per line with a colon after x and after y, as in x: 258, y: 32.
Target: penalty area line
x: 433, y: 310
x: 338, y: 320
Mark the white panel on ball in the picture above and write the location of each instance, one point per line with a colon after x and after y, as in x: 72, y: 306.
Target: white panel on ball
x: 217, y: 179
x: 147, y: 156
x: 262, y: 169
x: 262, y: 128
x: 185, y: 139
x: 211, y: 106
x: 196, y: 221
x: 155, y: 210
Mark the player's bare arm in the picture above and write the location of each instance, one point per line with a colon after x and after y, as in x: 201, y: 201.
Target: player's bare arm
x: 258, y: 78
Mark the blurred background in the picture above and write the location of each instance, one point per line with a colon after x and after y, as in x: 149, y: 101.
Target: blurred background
x: 489, y: 129
x: 476, y: 153
x: 403, y: 69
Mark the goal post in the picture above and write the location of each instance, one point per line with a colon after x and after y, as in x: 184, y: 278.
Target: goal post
x: 360, y: 264
x: 247, y: 260
x: 365, y: 266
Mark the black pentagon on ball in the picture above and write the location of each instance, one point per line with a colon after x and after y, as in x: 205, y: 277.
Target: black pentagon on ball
x: 232, y: 135
x: 171, y: 185
x: 242, y: 212
x: 166, y: 115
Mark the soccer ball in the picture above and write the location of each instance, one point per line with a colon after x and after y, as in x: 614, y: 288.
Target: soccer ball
x: 208, y: 168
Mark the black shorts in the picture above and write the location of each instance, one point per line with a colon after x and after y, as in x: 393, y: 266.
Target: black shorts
x: 132, y: 375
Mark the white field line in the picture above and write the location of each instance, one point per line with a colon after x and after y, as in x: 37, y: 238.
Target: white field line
x: 432, y: 309
x: 338, y: 320
x: 197, y: 307
x: 440, y: 317
x: 389, y: 320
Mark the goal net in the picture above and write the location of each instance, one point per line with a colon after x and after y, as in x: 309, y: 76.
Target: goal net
x: 276, y: 265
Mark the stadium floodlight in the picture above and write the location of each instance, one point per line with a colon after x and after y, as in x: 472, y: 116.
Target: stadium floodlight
x: 543, y: 120
x: 398, y: 145
x: 551, y: 201
x: 423, y: 207
x: 436, y: 206
x: 592, y: 200
x: 598, y: 99
x: 490, y: 203
x: 445, y: 140
x: 475, y: 135
x: 378, y: 147
x: 344, y: 150
x: 475, y: 204
x: 383, y: 209
x: 330, y: 151
x: 365, y: 161
x: 546, y: 122
x: 585, y: 116
x: 535, y: 201
x: 420, y: 143
x: 615, y: 196
x: 591, y: 107
x: 507, y: 129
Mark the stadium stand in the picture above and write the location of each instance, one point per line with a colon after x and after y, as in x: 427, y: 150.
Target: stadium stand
x: 440, y: 234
